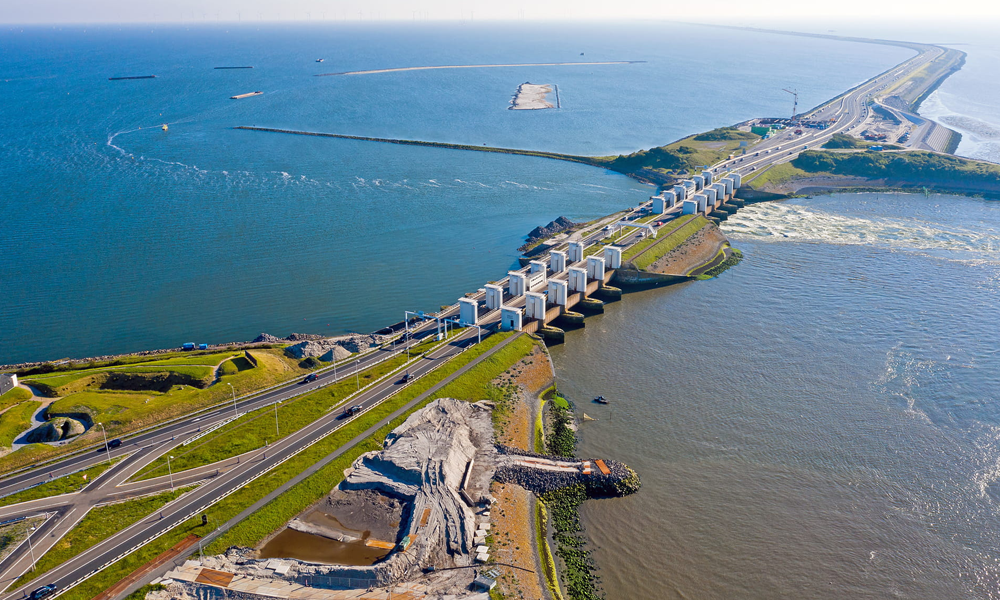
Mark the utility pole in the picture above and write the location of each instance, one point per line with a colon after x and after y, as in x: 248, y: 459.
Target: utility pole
x: 170, y: 473
x: 233, y: 390
x: 276, y: 432
x: 106, y: 448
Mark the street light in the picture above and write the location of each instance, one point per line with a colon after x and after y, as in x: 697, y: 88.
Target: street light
x: 170, y: 473
x: 106, y: 449
x: 31, y: 549
x: 233, y: 390
x: 276, y: 432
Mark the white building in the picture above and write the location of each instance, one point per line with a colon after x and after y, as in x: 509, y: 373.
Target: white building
x: 468, y: 311
x: 510, y: 318
x: 577, y: 280
x: 557, y: 292
x: 494, y: 296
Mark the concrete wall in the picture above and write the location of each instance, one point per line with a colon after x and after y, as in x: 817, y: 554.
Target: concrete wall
x: 612, y: 257
x: 557, y: 261
x: 494, y: 296
x: 517, y: 284
x: 577, y: 279
x: 534, y: 305
x: 558, y: 291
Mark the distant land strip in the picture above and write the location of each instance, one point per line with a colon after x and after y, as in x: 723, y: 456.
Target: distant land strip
x: 540, y: 154
x: 555, y: 64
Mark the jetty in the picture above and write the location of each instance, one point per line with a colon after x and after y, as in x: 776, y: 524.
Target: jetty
x: 241, y: 96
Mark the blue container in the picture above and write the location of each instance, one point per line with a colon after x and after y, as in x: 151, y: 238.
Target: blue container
x: 203, y: 346
x: 188, y: 346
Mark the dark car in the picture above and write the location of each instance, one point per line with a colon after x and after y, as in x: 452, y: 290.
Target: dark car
x: 350, y: 411
x: 310, y: 377
x: 110, y: 445
x: 42, y: 592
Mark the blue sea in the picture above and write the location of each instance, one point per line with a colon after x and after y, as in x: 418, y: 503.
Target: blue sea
x: 818, y: 422
x: 120, y: 236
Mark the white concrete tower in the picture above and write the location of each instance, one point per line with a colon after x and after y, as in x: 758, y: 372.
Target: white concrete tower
x: 557, y: 261
x: 534, y: 306
x: 595, y: 268
x: 689, y: 207
x: 468, y: 311
x: 494, y: 296
x: 510, y: 318
x: 517, y: 284
x: 575, y: 253
x: 577, y: 280
x: 557, y: 292
x: 612, y: 257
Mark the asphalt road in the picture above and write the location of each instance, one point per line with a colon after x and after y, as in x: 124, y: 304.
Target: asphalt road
x: 199, y: 499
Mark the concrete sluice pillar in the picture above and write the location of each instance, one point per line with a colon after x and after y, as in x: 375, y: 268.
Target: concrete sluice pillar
x: 609, y: 293
x: 718, y: 214
x: 552, y: 335
x: 591, y: 305
x: 570, y: 320
x: 729, y: 208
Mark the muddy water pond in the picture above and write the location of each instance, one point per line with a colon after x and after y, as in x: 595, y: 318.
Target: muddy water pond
x: 318, y: 549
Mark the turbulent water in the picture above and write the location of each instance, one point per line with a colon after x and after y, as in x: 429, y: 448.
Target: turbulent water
x: 120, y: 236
x: 821, y: 421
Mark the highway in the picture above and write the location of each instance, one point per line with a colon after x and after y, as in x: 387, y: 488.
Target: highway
x: 213, y: 489
x: 849, y: 111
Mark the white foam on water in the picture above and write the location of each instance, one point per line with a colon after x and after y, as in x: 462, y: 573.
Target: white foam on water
x: 784, y: 222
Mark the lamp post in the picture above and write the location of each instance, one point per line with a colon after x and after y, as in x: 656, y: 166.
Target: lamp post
x: 233, y: 390
x: 31, y: 549
x: 170, y: 473
x: 106, y: 449
x: 276, y: 432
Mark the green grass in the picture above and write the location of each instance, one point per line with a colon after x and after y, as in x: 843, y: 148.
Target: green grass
x: 476, y: 384
x: 66, y: 484
x: 140, y: 594
x: 249, y: 431
x: 778, y: 175
x: 915, y: 167
x: 125, y: 411
x: 13, y: 397
x: 99, y: 524
x: 649, y: 241
x: 561, y: 402
x: 548, y: 562
x: 540, y: 429
x: 16, y: 421
x: 198, y: 358
x: 668, y: 243
x: 260, y: 524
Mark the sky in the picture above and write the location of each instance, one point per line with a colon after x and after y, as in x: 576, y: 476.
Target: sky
x: 732, y: 11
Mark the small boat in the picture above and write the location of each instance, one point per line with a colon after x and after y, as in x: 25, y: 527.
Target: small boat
x: 601, y: 400
x: 587, y: 417
x: 319, y: 60
x: 164, y: 128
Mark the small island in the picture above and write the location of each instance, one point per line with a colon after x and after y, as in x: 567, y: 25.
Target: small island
x: 534, y: 96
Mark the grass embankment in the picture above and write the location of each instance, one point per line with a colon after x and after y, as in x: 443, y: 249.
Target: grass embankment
x: 67, y: 484
x: 734, y: 258
x: 841, y: 141
x: 118, y: 399
x: 683, y: 156
x: 13, y: 397
x: 778, y: 175
x: 545, y: 558
x: 635, y: 249
x: 664, y: 244
x: 16, y: 420
x: 913, y: 167
x: 100, y: 523
x: 250, y: 431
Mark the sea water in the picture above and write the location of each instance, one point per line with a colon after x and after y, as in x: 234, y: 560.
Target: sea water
x: 119, y: 236
x: 820, y: 421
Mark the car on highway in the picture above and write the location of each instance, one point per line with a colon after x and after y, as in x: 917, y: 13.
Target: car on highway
x: 350, y: 411
x: 44, y: 591
x: 310, y: 378
x: 110, y: 445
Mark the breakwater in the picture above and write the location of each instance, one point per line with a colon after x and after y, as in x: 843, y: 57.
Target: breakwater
x: 429, y: 68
